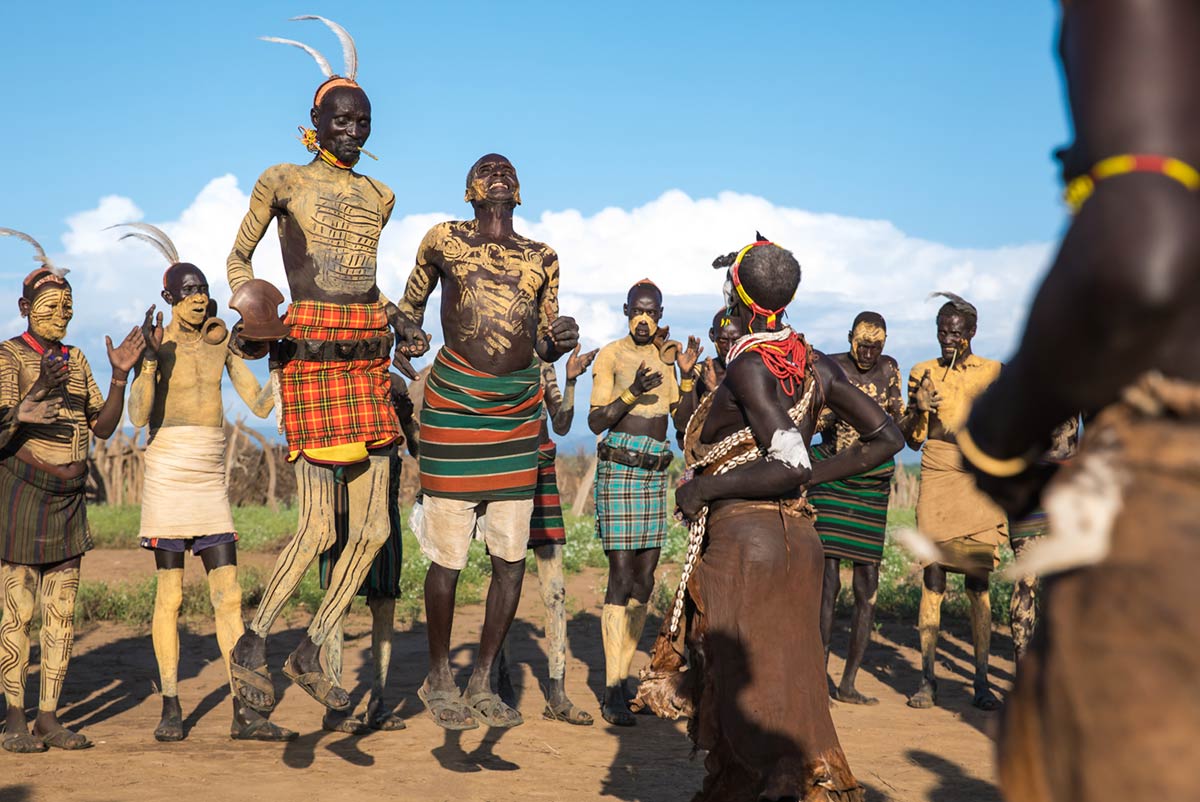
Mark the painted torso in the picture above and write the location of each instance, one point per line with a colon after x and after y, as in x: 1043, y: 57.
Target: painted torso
x: 183, y: 388
x: 66, y: 440
x: 958, y: 389
x: 329, y: 223
x: 615, y: 368
x: 497, y: 297
x: 188, y: 382
x: 881, y: 383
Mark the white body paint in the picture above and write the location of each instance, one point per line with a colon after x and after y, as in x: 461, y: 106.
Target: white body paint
x: 789, y: 445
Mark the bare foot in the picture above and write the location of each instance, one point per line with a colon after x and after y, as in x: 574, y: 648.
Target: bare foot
x: 926, y: 695
x: 851, y: 696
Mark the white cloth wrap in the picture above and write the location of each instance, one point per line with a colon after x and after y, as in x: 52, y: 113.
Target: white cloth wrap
x: 185, y: 494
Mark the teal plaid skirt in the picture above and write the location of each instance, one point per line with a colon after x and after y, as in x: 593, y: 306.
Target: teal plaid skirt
x: 631, y: 503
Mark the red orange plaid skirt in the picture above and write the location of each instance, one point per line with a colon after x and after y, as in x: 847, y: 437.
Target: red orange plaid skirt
x: 335, y: 403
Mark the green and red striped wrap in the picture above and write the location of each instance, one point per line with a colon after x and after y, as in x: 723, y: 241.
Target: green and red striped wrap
x: 546, y: 526
x: 852, y: 512
x: 479, y: 431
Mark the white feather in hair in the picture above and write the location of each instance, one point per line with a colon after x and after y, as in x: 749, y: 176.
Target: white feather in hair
x: 40, y: 255
x: 322, y: 62
x: 960, y: 303
x: 155, y: 236
x: 349, y: 51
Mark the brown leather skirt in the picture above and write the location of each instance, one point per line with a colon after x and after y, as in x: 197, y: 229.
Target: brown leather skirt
x: 762, y: 710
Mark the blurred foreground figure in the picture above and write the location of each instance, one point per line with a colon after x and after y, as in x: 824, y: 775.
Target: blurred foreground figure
x: 1106, y: 705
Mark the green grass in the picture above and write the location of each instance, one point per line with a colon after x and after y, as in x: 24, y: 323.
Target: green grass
x: 261, y: 530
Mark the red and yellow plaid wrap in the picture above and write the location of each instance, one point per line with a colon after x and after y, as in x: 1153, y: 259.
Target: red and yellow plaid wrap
x: 335, y: 403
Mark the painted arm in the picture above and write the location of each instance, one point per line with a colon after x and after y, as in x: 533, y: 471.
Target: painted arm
x: 260, y: 398
x: 564, y: 413
x: 238, y: 268
x: 390, y: 309
x: 879, y: 437
x: 689, y: 398
x: 923, y: 398
x: 422, y: 281
x: 894, y: 405
x: 559, y: 408
x: 141, y: 392
x: 555, y: 335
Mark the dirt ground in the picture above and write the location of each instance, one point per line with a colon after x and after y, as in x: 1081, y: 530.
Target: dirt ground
x: 940, y: 755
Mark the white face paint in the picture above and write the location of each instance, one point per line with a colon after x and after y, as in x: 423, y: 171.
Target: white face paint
x: 789, y: 446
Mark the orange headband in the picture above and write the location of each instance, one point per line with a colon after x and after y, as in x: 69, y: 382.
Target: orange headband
x: 43, y: 275
x: 332, y: 83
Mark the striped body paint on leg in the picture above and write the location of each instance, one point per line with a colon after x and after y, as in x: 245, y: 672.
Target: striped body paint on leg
x: 315, y: 489
x: 59, y: 589
x: 20, y: 584
x: 367, y: 530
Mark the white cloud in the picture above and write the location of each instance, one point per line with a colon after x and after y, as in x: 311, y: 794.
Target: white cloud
x: 849, y: 264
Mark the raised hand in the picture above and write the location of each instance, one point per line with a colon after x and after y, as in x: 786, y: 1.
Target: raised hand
x: 577, y: 365
x: 687, y: 360
x: 125, y: 356
x: 928, y: 398
x: 645, y: 380
x: 53, y: 373
x: 152, y: 332
x: 564, y: 335
x: 708, y: 375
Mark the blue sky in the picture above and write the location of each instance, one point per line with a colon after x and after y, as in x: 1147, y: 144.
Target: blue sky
x: 897, y: 148
x: 937, y: 116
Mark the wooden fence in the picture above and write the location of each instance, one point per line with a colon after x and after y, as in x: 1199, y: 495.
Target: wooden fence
x: 258, y: 473
x: 256, y: 470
